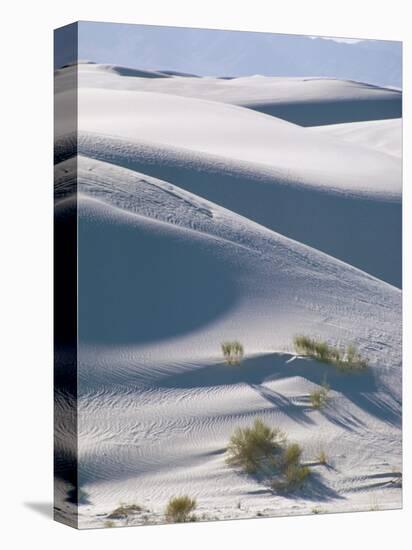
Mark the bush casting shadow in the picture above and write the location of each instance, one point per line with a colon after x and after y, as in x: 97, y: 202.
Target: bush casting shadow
x: 359, y: 388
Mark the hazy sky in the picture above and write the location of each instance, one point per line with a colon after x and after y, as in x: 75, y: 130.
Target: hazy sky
x: 232, y: 53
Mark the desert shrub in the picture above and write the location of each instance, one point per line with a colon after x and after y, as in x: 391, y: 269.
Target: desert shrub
x: 322, y: 457
x: 109, y: 524
x: 319, y: 397
x: 296, y: 475
x: 352, y: 360
x: 291, y: 455
x: 249, y: 447
x: 232, y: 352
x: 316, y: 349
x: 292, y: 478
x: 124, y: 511
x: 347, y: 360
x: 265, y: 449
x: 179, y: 509
x: 292, y: 474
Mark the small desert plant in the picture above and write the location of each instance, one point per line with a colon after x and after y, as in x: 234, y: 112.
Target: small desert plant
x: 352, y: 360
x: 249, y: 447
x: 319, y: 397
x: 294, y: 476
x: 265, y: 449
x: 109, y: 523
x: 232, y: 352
x: 316, y: 349
x: 179, y: 509
x: 124, y: 511
x: 291, y: 455
x: 322, y: 457
x: 347, y: 360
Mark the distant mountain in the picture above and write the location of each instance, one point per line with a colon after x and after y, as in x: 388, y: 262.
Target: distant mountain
x: 234, y: 53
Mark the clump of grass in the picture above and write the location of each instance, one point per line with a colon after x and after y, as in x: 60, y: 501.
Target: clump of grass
x: 348, y: 360
x: 265, y: 449
x: 322, y: 457
x: 296, y: 475
x: 319, y: 397
x: 352, y: 360
x: 291, y: 455
x: 250, y: 447
x: 109, y: 524
x: 124, y: 511
x: 293, y: 474
x: 232, y: 352
x: 292, y: 478
x: 316, y: 349
x: 179, y: 509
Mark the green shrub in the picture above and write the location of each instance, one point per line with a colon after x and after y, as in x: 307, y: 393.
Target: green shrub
x: 322, y: 457
x: 232, y: 352
x: 319, y: 397
x: 179, y: 509
x: 109, y: 524
x: 292, y: 478
x: 249, y: 447
x: 291, y: 455
x: 124, y: 511
x: 265, y: 449
x: 318, y: 350
x: 347, y: 360
x: 296, y: 475
x: 352, y: 360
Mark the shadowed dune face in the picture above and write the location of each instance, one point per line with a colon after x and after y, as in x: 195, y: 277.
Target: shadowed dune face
x: 362, y: 389
x: 333, y: 112
x: 304, y: 101
x: 361, y: 231
x: 132, y: 286
x: 134, y: 73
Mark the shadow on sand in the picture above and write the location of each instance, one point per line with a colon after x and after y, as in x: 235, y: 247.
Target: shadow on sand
x: 361, y: 388
x: 314, y: 489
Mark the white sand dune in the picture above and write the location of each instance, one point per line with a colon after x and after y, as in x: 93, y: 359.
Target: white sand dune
x: 239, y: 134
x: 380, y: 135
x: 202, y: 221
x: 305, y: 101
x: 154, y: 420
x: 276, y: 173
x: 244, y: 257
x: 273, y: 198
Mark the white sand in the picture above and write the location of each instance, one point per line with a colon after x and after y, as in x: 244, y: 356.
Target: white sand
x: 381, y: 135
x: 195, y: 218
